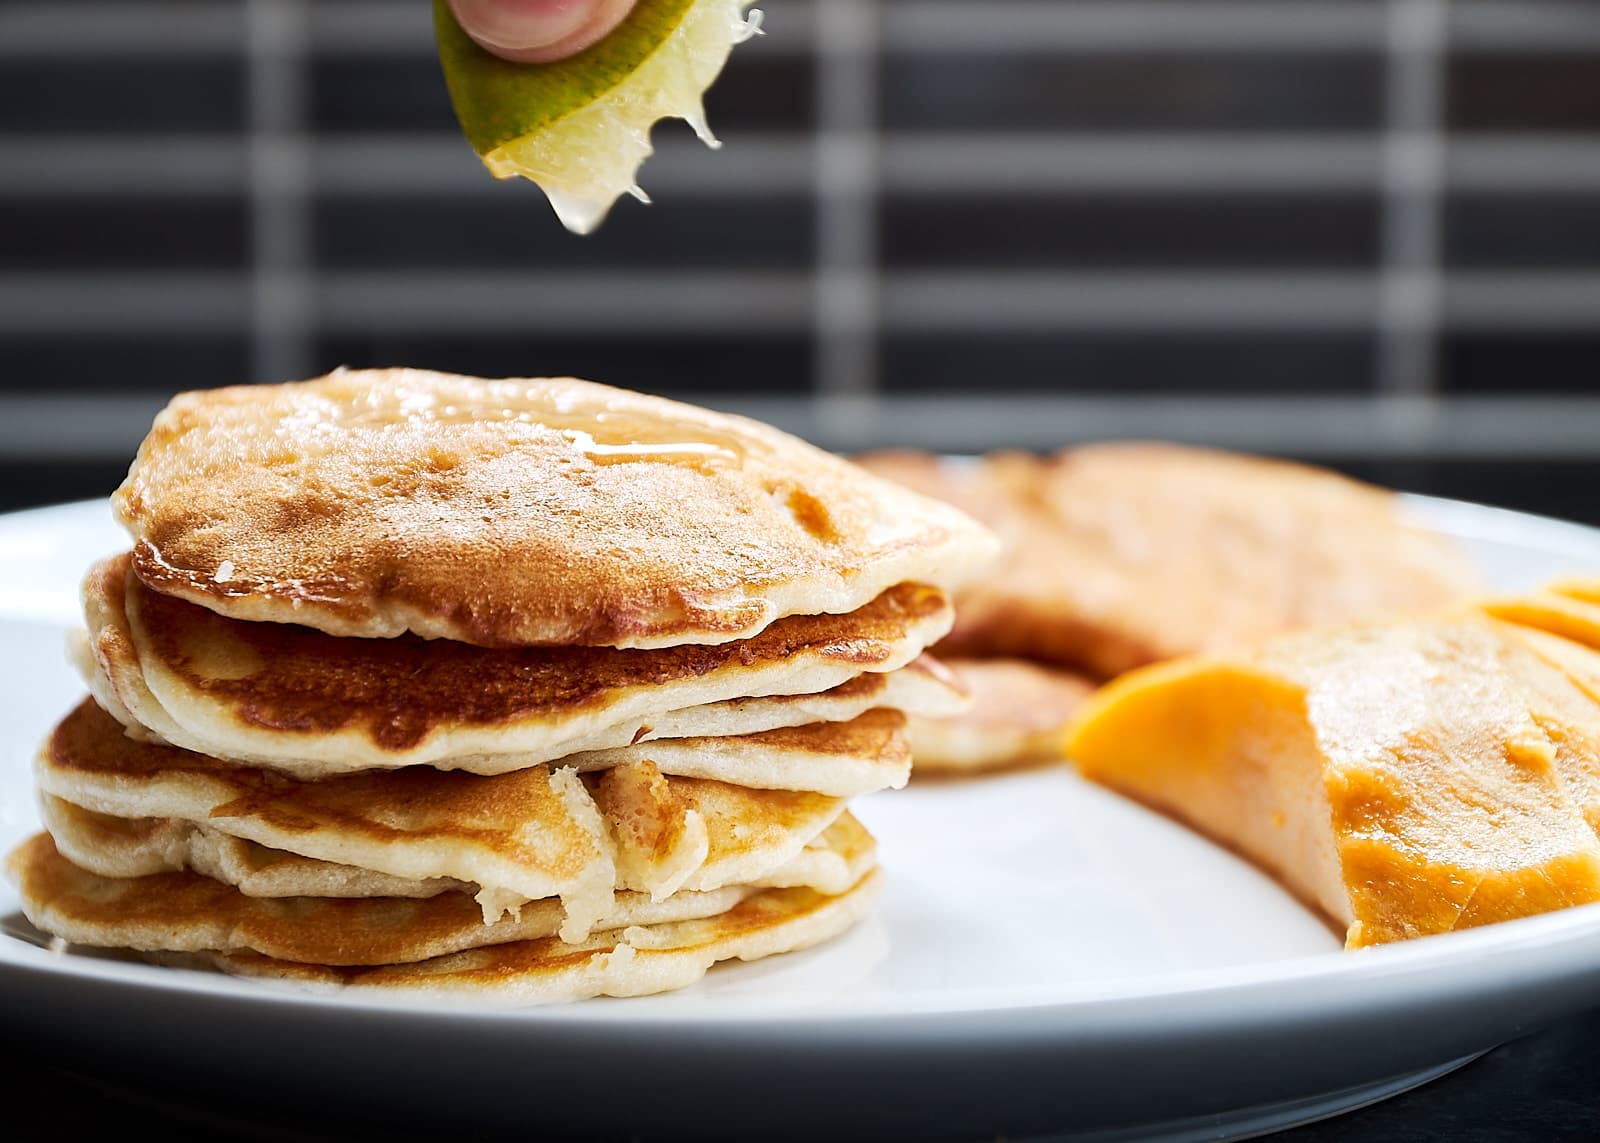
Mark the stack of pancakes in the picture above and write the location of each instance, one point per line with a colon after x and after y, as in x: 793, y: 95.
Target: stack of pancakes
x: 525, y: 690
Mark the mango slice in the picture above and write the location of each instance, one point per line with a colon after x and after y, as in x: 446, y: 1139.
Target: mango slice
x: 1407, y: 778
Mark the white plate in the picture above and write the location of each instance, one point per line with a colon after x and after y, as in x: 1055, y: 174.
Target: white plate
x: 1046, y: 958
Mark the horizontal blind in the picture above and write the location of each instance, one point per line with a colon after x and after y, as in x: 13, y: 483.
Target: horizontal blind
x: 1365, y: 231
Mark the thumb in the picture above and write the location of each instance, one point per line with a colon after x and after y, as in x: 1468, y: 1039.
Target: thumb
x: 538, y: 31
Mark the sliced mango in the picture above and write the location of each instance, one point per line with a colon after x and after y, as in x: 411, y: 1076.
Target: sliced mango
x: 1568, y: 616
x: 1407, y: 778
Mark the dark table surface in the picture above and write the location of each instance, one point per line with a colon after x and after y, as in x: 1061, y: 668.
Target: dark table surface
x: 1545, y: 1086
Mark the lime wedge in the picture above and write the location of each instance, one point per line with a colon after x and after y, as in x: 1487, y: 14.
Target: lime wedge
x: 580, y: 127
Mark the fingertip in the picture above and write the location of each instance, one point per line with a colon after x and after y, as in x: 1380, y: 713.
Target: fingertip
x: 538, y: 31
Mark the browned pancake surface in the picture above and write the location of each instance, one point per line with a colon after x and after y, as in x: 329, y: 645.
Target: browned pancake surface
x: 1124, y: 554
x: 300, y: 681
x: 185, y: 912
x: 517, y: 833
x: 526, y: 834
x: 516, y: 815
x: 516, y: 512
x: 114, y: 846
x: 861, y: 755
x: 1019, y: 714
x: 748, y: 832
x: 629, y: 962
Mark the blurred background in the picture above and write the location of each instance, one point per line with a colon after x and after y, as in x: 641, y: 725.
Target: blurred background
x: 1360, y: 232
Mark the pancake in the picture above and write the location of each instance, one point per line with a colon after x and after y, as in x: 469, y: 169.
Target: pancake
x: 136, y: 847
x: 185, y: 912
x: 839, y: 759
x: 922, y: 686
x: 1408, y: 777
x: 689, y: 833
x: 635, y: 961
x: 973, y: 484
x: 312, y: 704
x: 1019, y: 714
x: 521, y: 836
x: 117, y: 847
x: 831, y: 863
x: 1020, y: 609
x: 1118, y: 555
x: 518, y: 836
x: 515, y: 513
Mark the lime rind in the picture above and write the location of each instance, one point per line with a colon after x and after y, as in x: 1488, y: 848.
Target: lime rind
x: 582, y: 131
x: 497, y: 100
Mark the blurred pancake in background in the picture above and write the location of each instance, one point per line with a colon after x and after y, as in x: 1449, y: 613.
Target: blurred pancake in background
x: 1119, y: 555
x: 1018, y: 715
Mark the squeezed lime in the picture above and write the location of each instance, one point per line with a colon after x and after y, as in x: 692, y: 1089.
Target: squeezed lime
x: 580, y: 127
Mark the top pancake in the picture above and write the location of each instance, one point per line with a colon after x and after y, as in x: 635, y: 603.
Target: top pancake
x: 516, y: 512
x: 1124, y: 554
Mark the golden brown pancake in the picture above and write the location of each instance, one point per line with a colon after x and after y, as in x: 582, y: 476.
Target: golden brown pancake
x: 111, y: 846
x: 520, y: 836
x: 1408, y: 777
x: 1015, y: 610
x: 515, y: 513
x: 1019, y: 714
x: 634, y: 961
x: 838, y: 759
x: 185, y: 912
x: 517, y: 836
x: 831, y: 862
x: 1117, y: 555
x: 673, y: 833
x: 136, y: 847
x: 313, y: 704
x: 991, y: 489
